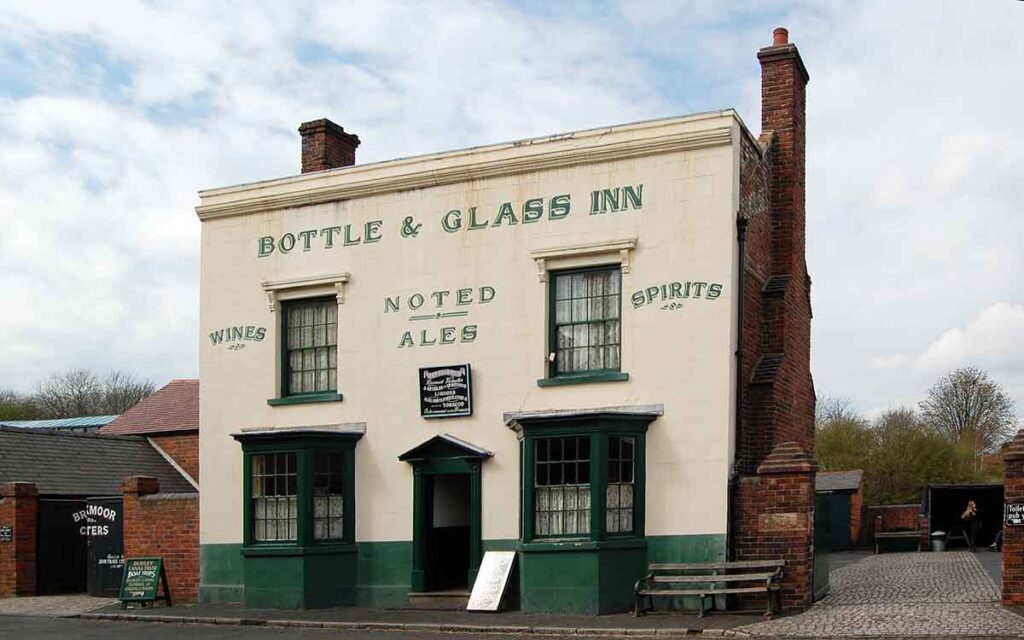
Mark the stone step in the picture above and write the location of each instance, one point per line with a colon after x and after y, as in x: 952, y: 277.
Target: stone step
x: 449, y: 600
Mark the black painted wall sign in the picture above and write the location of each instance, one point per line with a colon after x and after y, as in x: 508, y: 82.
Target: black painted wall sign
x: 446, y: 392
x: 6, y: 533
x: 1014, y: 516
x: 141, y: 581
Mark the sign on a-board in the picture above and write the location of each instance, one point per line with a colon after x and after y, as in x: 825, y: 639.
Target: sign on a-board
x: 1014, y: 516
x: 446, y: 392
x: 141, y: 581
x: 491, y: 581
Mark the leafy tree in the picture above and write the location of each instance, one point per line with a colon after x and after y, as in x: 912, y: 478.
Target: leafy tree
x: 842, y: 437
x: 15, y: 406
x: 970, y: 408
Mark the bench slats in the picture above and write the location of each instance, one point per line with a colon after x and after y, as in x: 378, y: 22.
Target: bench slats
x: 898, y: 534
x: 697, y: 592
x: 734, y: 577
x: 708, y: 566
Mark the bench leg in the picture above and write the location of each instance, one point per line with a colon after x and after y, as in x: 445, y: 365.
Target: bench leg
x: 700, y: 606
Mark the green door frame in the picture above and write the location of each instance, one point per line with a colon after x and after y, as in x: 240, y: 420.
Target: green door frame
x: 443, y: 455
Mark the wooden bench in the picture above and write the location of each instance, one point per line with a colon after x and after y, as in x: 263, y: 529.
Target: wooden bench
x: 708, y: 579
x: 897, y: 535
x: 901, y: 534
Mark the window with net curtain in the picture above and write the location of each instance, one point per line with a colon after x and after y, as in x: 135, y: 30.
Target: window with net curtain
x: 586, y: 327
x: 311, y: 346
x: 274, y: 494
x: 562, y: 485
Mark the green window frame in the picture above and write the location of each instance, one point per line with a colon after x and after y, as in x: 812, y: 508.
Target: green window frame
x: 320, y: 487
x: 584, y: 325
x: 308, y: 351
x: 614, y: 495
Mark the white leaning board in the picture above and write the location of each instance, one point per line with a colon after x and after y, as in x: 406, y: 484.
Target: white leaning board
x: 491, y: 581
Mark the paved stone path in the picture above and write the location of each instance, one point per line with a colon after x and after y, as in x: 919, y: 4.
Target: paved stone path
x: 72, y: 605
x: 905, y: 595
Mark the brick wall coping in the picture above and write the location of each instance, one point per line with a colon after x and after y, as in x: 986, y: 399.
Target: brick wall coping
x: 170, y: 496
x: 916, y: 505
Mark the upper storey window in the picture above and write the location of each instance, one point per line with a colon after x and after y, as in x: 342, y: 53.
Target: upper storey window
x: 586, y: 329
x: 310, y: 360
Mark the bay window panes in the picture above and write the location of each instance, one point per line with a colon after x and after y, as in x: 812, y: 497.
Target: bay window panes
x: 312, y: 346
x: 328, y: 490
x: 274, y: 490
x: 561, y: 486
x: 619, y: 495
x: 586, y: 320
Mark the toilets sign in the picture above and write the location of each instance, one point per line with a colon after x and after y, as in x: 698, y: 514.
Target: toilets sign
x: 1014, y: 515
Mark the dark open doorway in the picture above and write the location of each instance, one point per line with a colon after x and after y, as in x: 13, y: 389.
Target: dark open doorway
x: 447, y: 487
x: 448, y: 531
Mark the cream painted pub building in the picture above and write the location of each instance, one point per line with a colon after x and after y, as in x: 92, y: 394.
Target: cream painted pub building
x: 557, y: 346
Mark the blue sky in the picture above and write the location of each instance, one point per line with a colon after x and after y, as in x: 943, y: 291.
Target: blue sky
x: 113, y: 115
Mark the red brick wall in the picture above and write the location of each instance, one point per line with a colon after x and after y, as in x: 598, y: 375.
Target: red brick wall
x: 1013, y: 537
x: 326, y: 145
x: 164, y: 525
x: 19, y: 509
x: 776, y: 520
x: 183, y: 449
x: 856, y: 514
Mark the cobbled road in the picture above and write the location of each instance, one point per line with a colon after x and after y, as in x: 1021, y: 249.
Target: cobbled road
x: 908, y: 595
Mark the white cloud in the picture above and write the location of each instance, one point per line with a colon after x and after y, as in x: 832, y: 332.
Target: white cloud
x: 993, y: 339
x: 118, y: 113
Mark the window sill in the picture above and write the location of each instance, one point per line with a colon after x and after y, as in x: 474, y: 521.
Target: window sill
x: 305, y: 399
x: 294, y: 550
x: 584, y: 378
x: 578, y: 544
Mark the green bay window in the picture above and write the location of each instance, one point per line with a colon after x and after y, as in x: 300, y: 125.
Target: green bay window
x: 299, y: 515
x: 583, y: 476
x: 582, y: 537
x: 585, y: 326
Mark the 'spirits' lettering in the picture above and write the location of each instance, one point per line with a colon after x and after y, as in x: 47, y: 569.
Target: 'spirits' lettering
x: 675, y: 290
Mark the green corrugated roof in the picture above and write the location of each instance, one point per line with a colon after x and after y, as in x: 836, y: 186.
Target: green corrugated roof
x: 82, y: 422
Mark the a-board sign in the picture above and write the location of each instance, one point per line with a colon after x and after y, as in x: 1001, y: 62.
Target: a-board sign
x: 1014, y: 515
x: 6, y: 533
x: 446, y: 392
x: 141, y: 580
x: 491, y: 581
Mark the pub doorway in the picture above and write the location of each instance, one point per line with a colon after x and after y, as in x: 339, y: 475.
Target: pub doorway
x: 447, y: 526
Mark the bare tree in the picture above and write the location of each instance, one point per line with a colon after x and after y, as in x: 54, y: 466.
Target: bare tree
x: 832, y: 409
x: 122, y: 391
x: 80, y: 392
x: 970, y: 408
x: 76, y: 392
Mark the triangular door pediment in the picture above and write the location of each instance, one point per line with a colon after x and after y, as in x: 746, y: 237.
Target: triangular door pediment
x: 445, y: 446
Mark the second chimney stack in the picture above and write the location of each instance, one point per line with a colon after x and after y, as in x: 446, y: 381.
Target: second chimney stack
x: 325, y: 145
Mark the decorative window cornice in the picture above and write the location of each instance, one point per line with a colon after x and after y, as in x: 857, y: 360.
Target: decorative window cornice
x: 607, y: 252
x: 305, y: 287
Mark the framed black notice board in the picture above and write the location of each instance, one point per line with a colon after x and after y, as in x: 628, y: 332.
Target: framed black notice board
x: 141, y: 581
x: 446, y: 392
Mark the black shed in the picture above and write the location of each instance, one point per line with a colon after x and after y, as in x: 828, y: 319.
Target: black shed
x: 943, y: 503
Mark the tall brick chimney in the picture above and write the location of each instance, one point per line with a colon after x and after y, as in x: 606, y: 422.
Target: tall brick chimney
x: 772, y: 498
x: 325, y: 145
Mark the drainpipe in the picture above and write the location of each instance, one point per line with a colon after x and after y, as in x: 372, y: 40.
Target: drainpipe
x: 741, y: 239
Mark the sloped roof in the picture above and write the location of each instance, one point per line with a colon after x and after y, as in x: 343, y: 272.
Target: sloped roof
x: 172, y: 408
x: 82, y: 464
x: 82, y: 422
x: 838, y: 480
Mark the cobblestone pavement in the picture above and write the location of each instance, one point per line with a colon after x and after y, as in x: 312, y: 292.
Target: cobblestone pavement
x: 72, y: 605
x: 903, y: 595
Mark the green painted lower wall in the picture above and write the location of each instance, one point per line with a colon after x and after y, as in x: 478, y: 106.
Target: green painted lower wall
x: 563, y: 580
x: 220, y: 573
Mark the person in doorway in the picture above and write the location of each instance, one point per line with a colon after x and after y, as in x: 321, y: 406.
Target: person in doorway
x: 971, y: 523
x: 997, y: 545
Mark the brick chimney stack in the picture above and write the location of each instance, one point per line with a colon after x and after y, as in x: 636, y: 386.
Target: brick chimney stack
x: 325, y: 145
x: 786, y: 325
